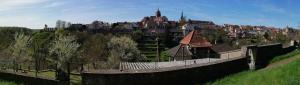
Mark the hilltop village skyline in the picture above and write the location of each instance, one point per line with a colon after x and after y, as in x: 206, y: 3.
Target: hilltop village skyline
x: 60, y: 23
x: 36, y: 13
x: 149, y: 42
x: 158, y: 15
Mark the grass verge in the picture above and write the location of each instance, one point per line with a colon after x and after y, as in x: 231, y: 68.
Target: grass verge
x: 291, y: 54
x: 3, y: 82
x: 288, y: 74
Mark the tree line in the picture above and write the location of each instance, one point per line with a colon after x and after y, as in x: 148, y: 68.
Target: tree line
x: 22, y: 49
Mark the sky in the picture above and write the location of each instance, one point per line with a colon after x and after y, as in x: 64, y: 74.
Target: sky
x: 36, y: 13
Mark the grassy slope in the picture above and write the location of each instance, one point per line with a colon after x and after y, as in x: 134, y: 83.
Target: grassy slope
x: 288, y: 74
x: 291, y: 54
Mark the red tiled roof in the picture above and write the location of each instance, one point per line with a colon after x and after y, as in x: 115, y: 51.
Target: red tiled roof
x: 195, y: 41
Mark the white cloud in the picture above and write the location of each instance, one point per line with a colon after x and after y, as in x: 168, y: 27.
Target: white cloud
x: 7, y: 5
x: 21, y: 20
x: 55, y: 4
x: 273, y: 8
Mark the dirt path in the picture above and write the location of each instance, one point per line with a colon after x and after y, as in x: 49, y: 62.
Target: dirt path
x: 282, y: 62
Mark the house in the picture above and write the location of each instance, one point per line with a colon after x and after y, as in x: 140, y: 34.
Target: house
x: 153, y: 22
x: 192, y: 46
x: 204, y: 26
x: 224, y: 51
x: 179, y: 52
x: 62, y: 24
x: 98, y: 25
x: 77, y: 27
x: 125, y: 25
x: 187, y: 28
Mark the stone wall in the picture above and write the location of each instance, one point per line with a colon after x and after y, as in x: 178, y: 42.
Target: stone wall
x: 264, y: 53
x: 193, y: 74
x: 27, y: 80
x: 231, y: 54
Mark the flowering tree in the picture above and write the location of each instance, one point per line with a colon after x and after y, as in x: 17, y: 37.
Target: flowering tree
x: 123, y: 49
x: 64, y: 48
x: 19, y: 49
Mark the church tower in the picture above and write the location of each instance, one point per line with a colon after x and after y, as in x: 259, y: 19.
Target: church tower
x: 182, y: 19
x: 158, y: 14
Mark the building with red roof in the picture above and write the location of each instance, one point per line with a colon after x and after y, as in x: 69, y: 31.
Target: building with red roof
x: 192, y: 46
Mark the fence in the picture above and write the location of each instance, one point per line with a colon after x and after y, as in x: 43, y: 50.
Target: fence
x: 157, y: 65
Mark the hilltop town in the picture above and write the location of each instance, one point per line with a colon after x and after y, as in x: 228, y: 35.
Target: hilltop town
x: 152, y: 51
x: 170, y: 32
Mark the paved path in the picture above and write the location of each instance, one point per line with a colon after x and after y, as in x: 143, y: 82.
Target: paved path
x: 282, y: 62
x: 157, y: 65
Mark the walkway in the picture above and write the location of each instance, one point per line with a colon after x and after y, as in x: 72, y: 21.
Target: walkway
x: 157, y: 65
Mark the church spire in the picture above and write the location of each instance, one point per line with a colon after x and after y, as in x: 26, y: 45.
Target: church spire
x: 158, y: 14
x: 181, y: 15
x: 182, y: 19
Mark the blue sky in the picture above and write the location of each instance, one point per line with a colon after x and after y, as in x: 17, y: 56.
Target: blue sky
x: 36, y: 13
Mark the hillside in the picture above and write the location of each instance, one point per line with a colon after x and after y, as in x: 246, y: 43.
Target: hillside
x: 284, y: 74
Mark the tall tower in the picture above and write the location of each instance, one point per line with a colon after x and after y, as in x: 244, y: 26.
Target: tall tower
x: 158, y: 14
x: 182, y: 19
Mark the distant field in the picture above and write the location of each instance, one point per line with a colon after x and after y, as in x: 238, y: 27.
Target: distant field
x: 287, y: 74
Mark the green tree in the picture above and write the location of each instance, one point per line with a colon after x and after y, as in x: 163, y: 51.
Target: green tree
x: 95, y: 49
x: 7, y: 35
x: 137, y: 34
x: 165, y: 56
x: 39, y: 48
x: 280, y: 38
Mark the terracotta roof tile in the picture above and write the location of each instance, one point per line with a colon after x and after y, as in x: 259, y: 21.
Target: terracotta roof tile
x: 195, y: 41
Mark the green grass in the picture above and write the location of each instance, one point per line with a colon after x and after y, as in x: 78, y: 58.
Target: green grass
x: 288, y: 74
x: 3, y: 82
x: 291, y: 54
x: 75, y: 79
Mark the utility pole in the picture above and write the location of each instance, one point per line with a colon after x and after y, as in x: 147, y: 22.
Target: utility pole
x: 157, y: 45
x: 157, y: 49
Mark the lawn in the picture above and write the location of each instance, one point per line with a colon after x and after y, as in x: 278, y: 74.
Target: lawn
x: 2, y: 82
x: 75, y: 79
x: 287, y: 74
